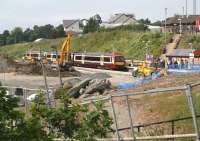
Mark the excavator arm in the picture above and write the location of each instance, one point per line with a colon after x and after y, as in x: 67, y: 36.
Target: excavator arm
x: 66, y: 50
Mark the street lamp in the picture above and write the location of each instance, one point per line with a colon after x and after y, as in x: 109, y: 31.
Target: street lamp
x: 165, y: 36
x: 165, y: 26
x: 146, y: 49
x: 180, y: 25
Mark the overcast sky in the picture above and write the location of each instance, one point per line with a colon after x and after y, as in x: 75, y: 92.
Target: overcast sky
x: 26, y: 13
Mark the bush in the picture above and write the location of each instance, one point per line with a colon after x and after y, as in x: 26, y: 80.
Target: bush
x: 71, y: 121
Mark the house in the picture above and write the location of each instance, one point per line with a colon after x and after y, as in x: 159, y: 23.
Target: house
x: 72, y: 26
x: 188, y: 23
x: 119, y: 19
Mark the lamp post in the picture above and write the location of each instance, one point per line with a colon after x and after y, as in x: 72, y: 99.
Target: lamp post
x: 180, y: 25
x: 165, y: 26
x: 146, y: 49
x: 165, y: 58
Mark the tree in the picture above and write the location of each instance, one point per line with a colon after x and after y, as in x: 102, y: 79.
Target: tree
x: 60, y: 31
x: 97, y: 18
x: 92, y: 26
x: 26, y: 35
x: 3, y: 37
x: 71, y: 121
x: 2, y: 40
x: 10, y: 40
x: 17, y: 33
x: 145, y: 21
x: 14, y: 126
x: 157, y: 23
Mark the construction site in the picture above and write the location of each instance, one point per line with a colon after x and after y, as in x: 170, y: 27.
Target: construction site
x: 134, y: 116
x: 145, y: 76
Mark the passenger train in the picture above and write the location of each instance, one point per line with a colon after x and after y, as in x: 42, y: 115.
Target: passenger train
x: 94, y: 60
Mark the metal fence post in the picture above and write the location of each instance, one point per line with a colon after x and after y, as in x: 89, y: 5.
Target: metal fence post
x: 24, y: 97
x: 192, y: 109
x: 173, y: 130
x: 130, y: 118
x: 115, y: 118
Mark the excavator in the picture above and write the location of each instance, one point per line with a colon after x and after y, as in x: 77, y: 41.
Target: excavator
x: 64, y: 60
x: 144, y: 70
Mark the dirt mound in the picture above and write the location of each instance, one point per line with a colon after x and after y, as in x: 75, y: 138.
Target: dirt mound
x: 6, y: 64
x: 9, y: 65
x: 36, y: 69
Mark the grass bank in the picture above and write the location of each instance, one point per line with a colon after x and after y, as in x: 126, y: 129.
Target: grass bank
x: 130, y: 44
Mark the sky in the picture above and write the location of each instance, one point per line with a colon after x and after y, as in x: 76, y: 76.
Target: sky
x: 27, y: 13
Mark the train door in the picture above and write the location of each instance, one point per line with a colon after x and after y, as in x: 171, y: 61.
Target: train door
x: 83, y: 59
x: 102, y: 60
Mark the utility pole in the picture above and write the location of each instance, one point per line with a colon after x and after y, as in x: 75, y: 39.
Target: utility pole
x: 59, y: 72
x: 186, y: 14
x: 186, y: 8
x: 165, y: 26
x: 165, y: 36
x: 194, y: 7
x: 180, y: 26
x: 183, y: 8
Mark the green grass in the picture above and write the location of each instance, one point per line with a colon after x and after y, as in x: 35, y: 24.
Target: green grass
x: 130, y: 44
x: 188, y: 38
x: 174, y: 107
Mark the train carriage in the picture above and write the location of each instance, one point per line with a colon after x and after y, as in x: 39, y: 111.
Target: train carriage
x: 99, y: 60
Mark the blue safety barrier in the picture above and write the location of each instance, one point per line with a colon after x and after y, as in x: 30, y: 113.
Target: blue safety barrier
x: 138, y: 82
x: 184, y: 66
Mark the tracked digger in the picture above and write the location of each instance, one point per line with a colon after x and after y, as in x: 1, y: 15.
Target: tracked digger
x: 62, y: 61
x: 65, y: 62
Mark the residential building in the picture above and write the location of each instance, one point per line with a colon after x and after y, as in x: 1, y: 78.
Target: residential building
x: 73, y: 26
x: 119, y: 19
x: 188, y: 23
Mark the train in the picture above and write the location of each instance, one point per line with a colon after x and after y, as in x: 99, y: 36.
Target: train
x: 112, y: 61
x: 100, y: 60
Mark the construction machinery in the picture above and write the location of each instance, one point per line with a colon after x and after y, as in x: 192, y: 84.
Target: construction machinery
x: 145, y: 69
x: 64, y: 58
x: 65, y: 53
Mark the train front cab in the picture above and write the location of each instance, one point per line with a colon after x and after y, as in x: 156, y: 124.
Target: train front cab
x: 119, y: 62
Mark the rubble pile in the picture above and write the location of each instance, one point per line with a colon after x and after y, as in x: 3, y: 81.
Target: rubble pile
x: 96, y: 84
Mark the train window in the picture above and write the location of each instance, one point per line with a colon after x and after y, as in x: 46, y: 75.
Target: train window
x: 107, y: 59
x: 78, y: 57
x: 92, y: 58
x: 34, y: 55
x: 48, y: 56
x: 56, y: 56
x: 119, y: 59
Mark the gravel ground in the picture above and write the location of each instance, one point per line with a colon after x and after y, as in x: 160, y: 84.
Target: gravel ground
x: 34, y: 81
